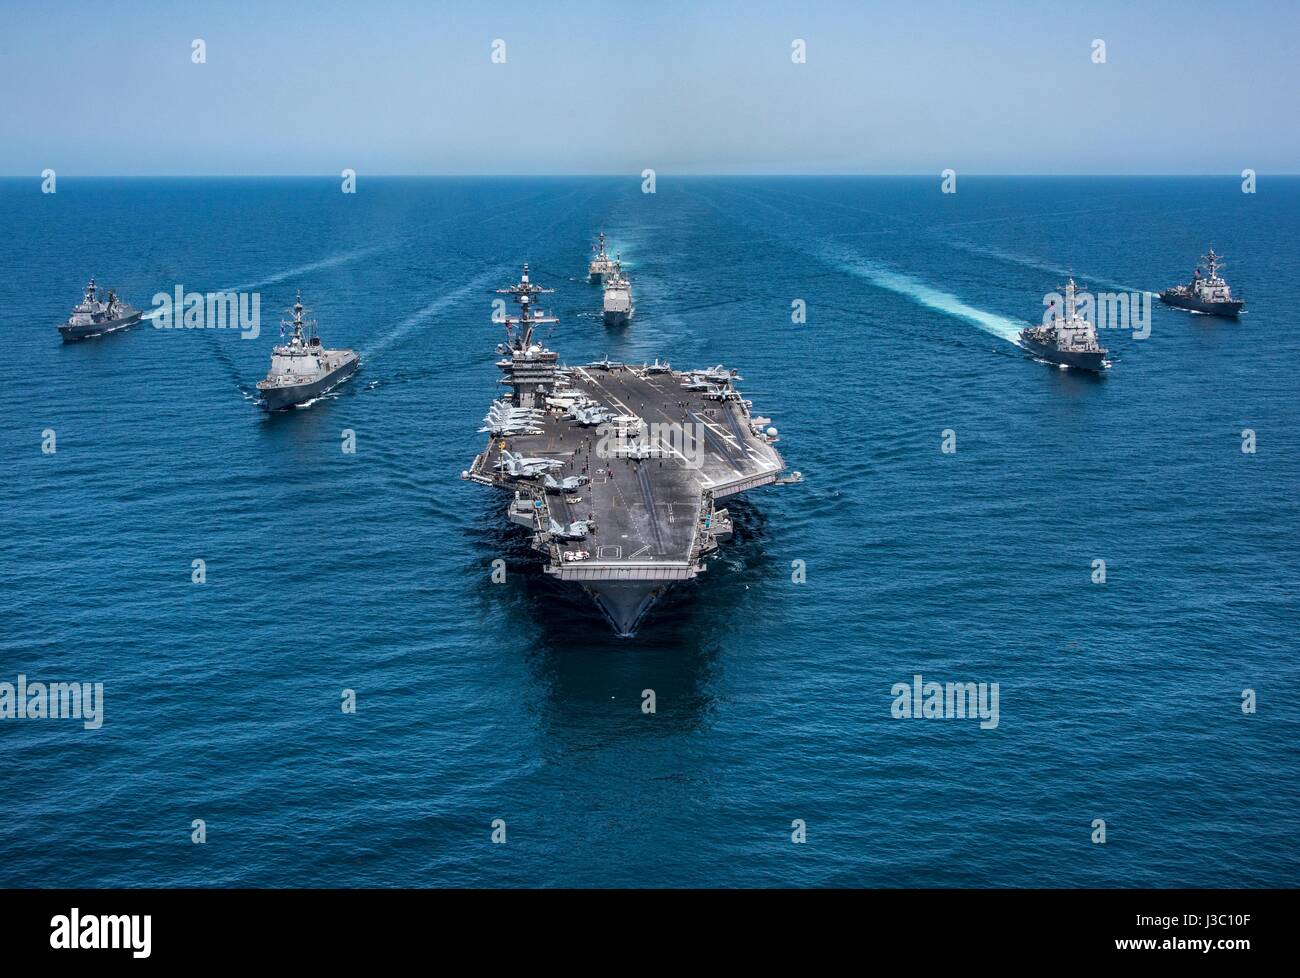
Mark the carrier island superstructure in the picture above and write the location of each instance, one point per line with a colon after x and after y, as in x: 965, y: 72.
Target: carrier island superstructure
x: 617, y: 470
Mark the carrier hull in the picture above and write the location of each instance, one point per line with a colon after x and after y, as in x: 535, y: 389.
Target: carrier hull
x: 625, y: 603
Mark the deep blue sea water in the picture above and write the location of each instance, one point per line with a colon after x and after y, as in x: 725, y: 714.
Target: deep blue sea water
x: 477, y: 701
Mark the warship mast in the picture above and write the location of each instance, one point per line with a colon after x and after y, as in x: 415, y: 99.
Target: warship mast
x: 296, y: 338
x: 1213, y: 262
x: 530, y: 368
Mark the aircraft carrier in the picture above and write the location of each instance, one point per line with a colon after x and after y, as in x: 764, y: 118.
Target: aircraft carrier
x: 616, y: 469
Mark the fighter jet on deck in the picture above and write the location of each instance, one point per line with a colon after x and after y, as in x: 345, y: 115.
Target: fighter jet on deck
x: 570, y: 483
x: 574, y: 531
x: 721, y: 394
x: 527, y: 468
x: 505, y: 419
x: 589, y: 415
x: 719, y: 374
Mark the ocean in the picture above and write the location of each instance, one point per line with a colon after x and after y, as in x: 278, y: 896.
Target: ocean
x: 327, y: 571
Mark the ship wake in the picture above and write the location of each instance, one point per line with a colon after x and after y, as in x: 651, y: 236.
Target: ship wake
x: 933, y: 298
x: 886, y: 278
x: 330, y: 262
x: 998, y: 254
x: 435, y: 307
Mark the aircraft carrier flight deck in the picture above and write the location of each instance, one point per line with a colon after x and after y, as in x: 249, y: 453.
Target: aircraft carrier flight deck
x: 616, y: 468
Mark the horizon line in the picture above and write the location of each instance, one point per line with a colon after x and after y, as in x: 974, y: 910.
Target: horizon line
x: 622, y: 176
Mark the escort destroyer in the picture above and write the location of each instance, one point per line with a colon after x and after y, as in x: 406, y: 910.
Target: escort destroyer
x: 93, y: 316
x: 601, y: 264
x: 302, y: 369
x: 617, y: 470
x: 1208, y: 294
x: 1066, y: 338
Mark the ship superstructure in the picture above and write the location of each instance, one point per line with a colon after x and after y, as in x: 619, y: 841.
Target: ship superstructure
x: 1066, y: 338
x: 302, y: 369
x: 617, y: 470
x: 601, y: 263
x: 1208, y: 293
x: 93, y: 316
x: 618, y: 307
x: 530, y: 368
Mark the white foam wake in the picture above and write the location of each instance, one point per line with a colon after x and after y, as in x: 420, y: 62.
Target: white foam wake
x: 340, y: 259
x: 438, y: 305
x: 898, y: 282
x: 937, y: 299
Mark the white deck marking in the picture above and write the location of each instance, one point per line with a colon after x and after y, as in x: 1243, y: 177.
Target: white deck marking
x: 627, y: 410
x: 595, y: 383
x: 722, y: 434
x: 717, y: 429
x: 720, y: 429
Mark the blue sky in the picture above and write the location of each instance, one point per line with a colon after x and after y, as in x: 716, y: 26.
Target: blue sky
x: 608, y: 87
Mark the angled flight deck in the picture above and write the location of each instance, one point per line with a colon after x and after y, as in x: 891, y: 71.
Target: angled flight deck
x: 617, y: 468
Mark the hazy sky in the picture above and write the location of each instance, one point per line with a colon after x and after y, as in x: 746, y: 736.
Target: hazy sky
x: 614, y: 87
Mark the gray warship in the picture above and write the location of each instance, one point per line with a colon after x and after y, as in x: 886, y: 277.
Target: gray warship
x: 602, y: 263
x: 618, y: 309
x: 93, y: 316
x: 1066, y: 338
x: 1208, y: 294
x: 303, y: 369
x: 617, y: 470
